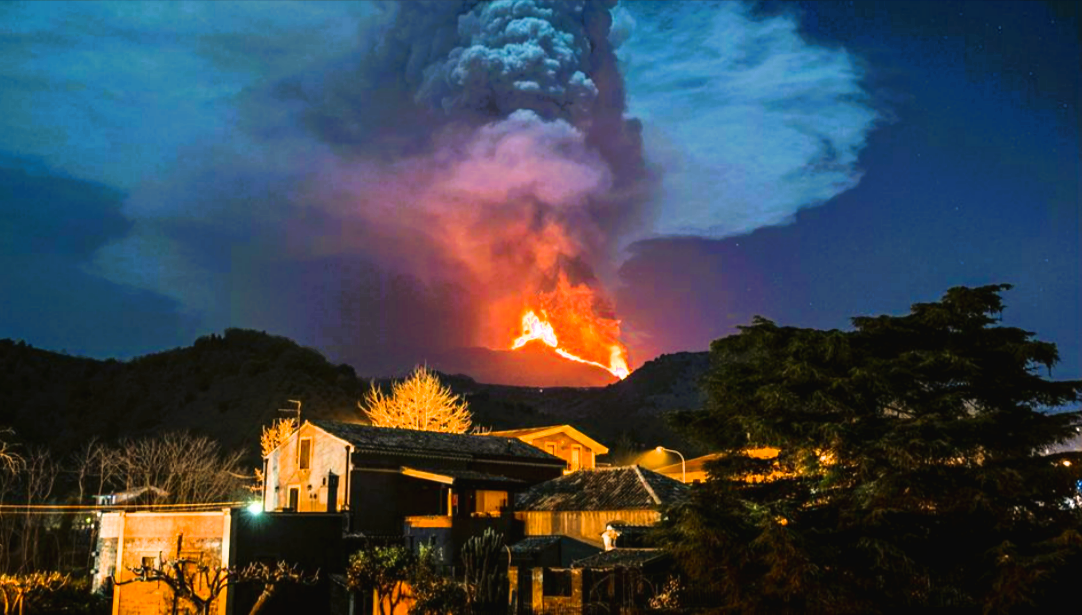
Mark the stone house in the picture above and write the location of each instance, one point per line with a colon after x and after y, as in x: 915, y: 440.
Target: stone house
x: 578, y: 450
x: 433, y: 486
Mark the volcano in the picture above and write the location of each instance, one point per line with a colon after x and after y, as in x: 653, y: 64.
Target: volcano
x: 534, y: 365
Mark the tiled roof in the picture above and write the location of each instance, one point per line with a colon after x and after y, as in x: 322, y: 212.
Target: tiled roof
x: 621, y: 488
x: 533, y: 544
x: 409, y: 440
x: 629, y: 558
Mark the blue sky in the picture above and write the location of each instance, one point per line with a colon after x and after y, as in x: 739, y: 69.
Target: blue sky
x: 816, y: 161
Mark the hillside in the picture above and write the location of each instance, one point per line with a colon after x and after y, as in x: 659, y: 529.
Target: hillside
x: 227, y: 386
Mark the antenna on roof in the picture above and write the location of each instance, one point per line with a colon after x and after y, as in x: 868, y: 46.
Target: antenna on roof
x: 296, y: 410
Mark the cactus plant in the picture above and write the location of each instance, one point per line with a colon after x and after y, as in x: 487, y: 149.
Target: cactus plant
x: 486, y: 573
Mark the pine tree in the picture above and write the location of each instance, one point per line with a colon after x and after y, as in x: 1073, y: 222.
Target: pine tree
x: 917, y: 468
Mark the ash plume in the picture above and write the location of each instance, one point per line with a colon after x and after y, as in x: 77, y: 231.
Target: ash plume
x: 417, y: 191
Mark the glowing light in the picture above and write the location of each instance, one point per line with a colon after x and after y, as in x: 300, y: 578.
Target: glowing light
x: 534, y: 328
x: 255, y: 508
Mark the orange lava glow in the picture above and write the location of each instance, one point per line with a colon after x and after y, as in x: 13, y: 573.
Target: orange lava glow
x: 536, y: 327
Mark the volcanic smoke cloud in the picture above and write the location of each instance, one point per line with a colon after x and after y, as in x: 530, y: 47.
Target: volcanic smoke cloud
x: 472, y: 162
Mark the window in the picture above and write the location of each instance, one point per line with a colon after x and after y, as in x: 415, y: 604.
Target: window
x: 150, y: 563
x: 304, y: 456
x: 576, y: 457
x: 491, y: 502
x: 550, y: 448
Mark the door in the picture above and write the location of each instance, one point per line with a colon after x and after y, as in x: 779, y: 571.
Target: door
x: 332, y: 492
x: 294, y: 498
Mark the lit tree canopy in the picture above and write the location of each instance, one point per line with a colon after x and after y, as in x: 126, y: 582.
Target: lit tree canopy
x: 917, y: 467
x: 418, y: 402
x: 277, y: 433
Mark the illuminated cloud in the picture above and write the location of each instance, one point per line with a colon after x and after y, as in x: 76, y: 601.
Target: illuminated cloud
x: 747, y: 120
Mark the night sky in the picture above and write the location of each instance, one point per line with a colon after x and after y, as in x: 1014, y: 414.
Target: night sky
x: 169, y: 170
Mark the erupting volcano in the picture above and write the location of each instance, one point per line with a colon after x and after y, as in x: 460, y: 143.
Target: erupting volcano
x: 534, y: 328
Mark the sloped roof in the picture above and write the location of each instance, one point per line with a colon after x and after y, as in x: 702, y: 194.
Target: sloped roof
x: 620, y: 488
x: 379, y: 439
x: 533, y: 544
x: 629, y: 558
x: 456, y: 477
x: 528, y: 434
x: 525, y: 431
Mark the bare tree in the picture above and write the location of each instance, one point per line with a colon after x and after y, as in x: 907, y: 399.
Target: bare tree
x: 200, y: 583
x: 273, y: 579
x: 191, y: 469
x: 418, y: 402
x: 10, y: 461
x: 39, y: 477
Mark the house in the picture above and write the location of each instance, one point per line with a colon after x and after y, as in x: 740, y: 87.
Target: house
x: 606, y: 511
x: 694, y: 470
x: 577, y: 449
x: 382, y: 476
x: 584, y: 504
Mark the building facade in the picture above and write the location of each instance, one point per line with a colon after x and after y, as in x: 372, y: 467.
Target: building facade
x: 380, y: 476
x: 579, y: 451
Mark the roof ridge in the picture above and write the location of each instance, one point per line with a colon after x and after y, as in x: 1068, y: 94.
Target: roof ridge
x: 646, y: 484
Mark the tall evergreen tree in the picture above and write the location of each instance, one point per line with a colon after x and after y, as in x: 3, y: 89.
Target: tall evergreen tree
x: 917, y: 467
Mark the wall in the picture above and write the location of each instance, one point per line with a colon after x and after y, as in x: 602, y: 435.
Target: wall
x: 328, y: 455
x: 126, y: 538
x: 309, y: 541
x: 583, y: 525
x: 564, y: 444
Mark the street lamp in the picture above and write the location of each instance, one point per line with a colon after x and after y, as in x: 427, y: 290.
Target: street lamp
x: 683, y: 464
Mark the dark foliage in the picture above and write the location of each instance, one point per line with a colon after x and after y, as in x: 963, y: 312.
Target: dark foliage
x: 917, y: 467
x: 225, y: 386
x: 228, y: 386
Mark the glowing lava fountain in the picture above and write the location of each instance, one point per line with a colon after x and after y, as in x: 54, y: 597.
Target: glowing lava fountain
x: 534, y: 328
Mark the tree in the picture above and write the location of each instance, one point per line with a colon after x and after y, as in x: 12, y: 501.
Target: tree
x: 199, y: 583
x: 418, y: 402
x: 16, y: 589
x: 279, y: 431
x: 432, y: 592
x: 272, y: 580
x: 917, y: 467
x: 10, y: 461
x: 383, y: 569
x: 191, y: 469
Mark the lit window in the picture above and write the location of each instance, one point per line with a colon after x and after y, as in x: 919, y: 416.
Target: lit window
x: 304, y: 459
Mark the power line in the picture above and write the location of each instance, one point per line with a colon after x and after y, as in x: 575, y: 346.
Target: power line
x: 114, y: 507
